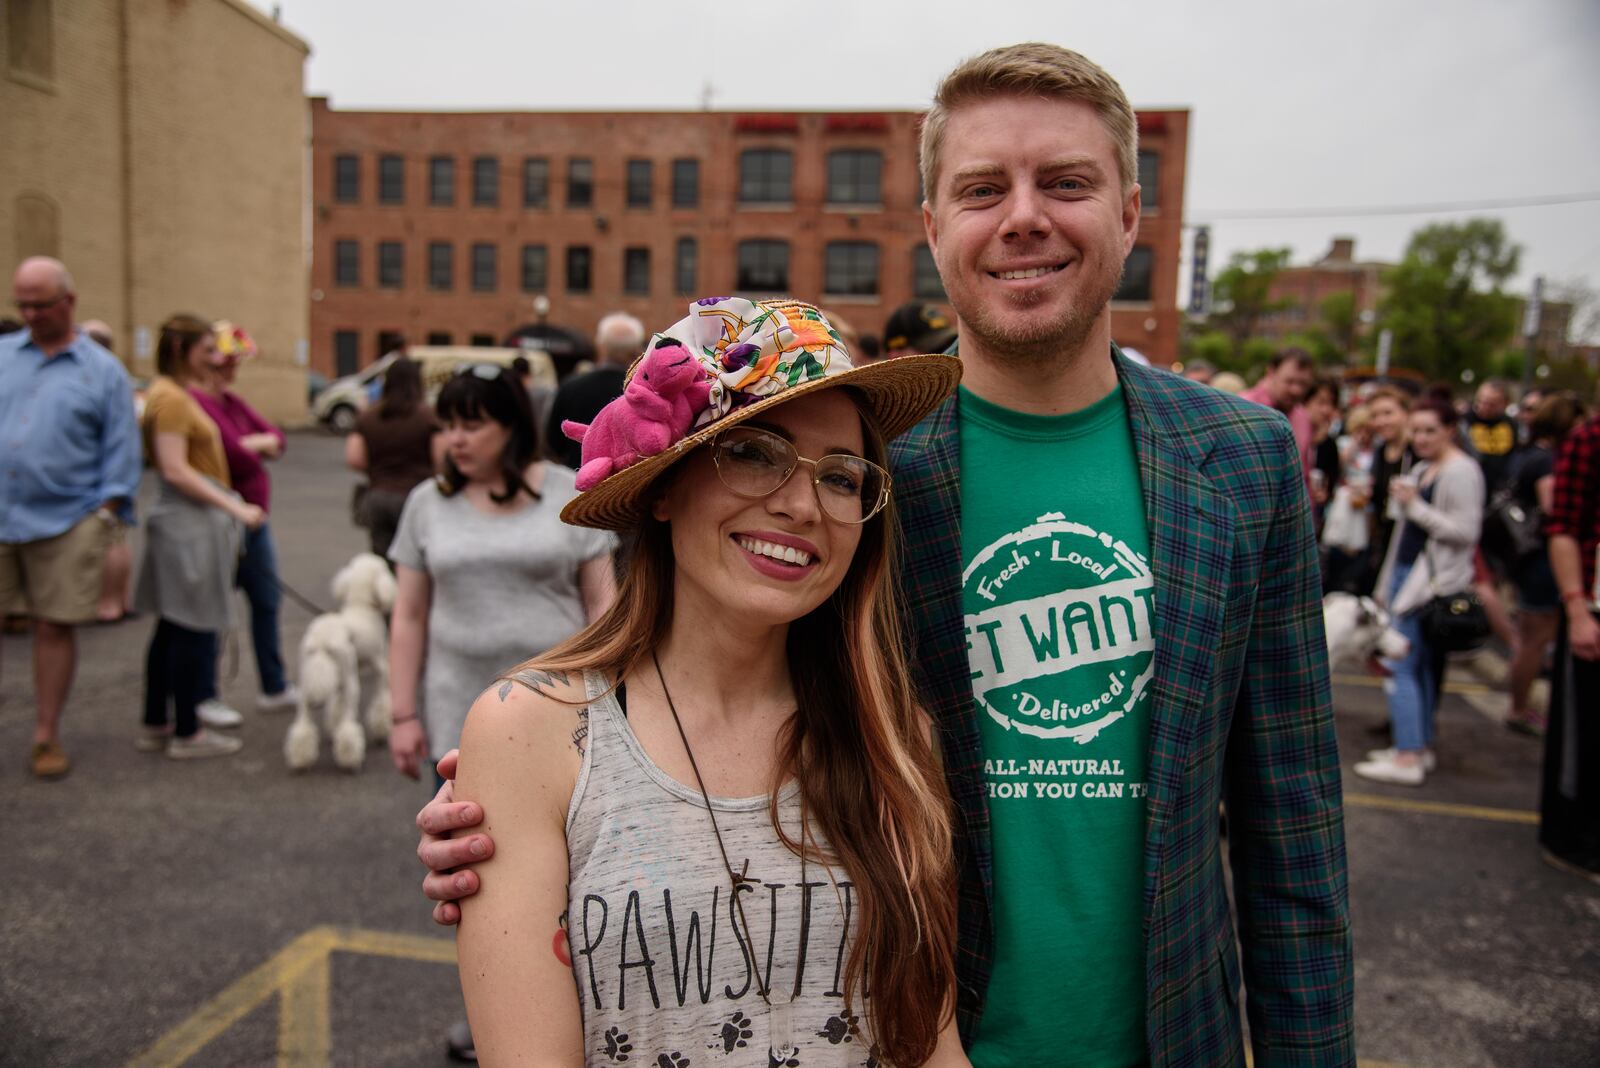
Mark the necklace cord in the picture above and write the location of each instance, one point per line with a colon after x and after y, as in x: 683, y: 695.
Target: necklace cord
x: 747, y: 941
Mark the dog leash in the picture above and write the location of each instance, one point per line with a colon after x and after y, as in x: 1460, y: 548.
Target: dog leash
x: 299, y: 598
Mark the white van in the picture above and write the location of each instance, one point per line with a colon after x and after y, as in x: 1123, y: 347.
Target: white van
x: 337, y: 406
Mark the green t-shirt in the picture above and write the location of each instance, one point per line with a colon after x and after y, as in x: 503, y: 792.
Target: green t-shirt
x: 1059, y: 605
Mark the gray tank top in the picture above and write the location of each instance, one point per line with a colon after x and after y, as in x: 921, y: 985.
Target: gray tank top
x: 662, y: 976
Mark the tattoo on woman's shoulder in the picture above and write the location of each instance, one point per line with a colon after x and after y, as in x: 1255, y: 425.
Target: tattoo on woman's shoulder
x: 580, y: 733
x: 540, y: 682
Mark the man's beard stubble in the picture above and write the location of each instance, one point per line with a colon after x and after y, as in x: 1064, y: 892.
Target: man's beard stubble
x: 1048, y: 341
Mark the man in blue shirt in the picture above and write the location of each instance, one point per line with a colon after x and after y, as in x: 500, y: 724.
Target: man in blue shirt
x: 69, y: 469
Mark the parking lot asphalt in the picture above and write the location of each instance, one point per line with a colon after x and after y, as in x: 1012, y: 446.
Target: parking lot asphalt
x: 228, y: 912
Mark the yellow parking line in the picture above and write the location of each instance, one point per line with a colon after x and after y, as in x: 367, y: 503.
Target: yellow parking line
x: 236, y: 1002
x: 1449, y: 687
x: 1442, y: 808
x: 305, y: 1033
x: 384, y: 944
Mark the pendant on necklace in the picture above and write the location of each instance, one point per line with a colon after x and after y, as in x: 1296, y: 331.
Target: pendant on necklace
x: 780, y: 1027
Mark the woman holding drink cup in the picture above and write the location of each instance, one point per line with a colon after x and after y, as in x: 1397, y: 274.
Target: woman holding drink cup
x: 1440, y: 505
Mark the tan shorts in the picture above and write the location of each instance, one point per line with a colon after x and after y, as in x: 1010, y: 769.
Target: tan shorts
x: 58, y: 579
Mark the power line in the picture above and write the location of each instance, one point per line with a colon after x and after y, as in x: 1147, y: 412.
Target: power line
x: 1374, y: 210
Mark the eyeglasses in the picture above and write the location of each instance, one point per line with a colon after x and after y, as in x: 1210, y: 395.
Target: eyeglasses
x: 26, y: 306
x: 486, y: 371
x: 754, y: 463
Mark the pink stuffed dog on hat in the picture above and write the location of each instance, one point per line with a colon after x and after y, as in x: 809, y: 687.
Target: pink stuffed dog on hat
x: 657, y: 408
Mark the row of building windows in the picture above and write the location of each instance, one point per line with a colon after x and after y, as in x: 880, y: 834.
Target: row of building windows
x: 850, y: 268
x: 766, y: 176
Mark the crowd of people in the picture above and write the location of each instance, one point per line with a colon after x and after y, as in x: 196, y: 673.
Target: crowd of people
x: 881, y: 671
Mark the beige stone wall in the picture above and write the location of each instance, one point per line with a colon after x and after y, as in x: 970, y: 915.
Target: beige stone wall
x: 62, y: 146
x: 219, y: 132
x: 175, y: 155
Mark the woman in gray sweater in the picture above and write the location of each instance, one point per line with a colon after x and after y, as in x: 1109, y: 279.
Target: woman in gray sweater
x: 1430, y: 554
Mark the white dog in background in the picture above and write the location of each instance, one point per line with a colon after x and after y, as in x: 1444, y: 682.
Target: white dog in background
x: 1357, y: 627
x: 344, y: 669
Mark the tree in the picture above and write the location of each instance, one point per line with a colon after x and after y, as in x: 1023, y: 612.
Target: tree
x: 1444, y: 299
x: 1240, y: 292
x: 1340, y: 322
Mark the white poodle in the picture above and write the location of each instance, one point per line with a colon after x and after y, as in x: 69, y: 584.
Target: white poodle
x: 1357, y: 627
x: 344, y: 669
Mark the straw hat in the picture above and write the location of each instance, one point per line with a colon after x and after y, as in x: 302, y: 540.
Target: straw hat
x: 750, y: 356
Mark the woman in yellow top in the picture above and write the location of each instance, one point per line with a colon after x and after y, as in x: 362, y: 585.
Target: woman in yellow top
x: 191, y: 543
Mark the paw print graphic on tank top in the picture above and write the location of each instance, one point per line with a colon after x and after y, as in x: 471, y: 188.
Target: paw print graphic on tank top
x: 617, y: 1046
x: 841, y: 1028
x: 734, y: 1034
x: 671, y: 1060
x: 788, y: 1062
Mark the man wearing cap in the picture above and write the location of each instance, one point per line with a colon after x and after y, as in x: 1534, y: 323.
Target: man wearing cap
x: 1114, y: 606
x: 917, y: 327
x: 69, y: 469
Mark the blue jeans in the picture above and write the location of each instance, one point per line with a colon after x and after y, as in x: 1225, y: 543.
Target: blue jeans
x: 1414, y: 688
x: 258, y: 578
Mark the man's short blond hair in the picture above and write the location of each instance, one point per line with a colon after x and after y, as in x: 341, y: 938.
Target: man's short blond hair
x: 1038, y: 70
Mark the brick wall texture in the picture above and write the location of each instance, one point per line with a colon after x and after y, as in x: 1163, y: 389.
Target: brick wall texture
x: 364, y: 307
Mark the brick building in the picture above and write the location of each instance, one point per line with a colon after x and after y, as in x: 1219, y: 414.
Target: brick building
x: 445, y: 228
x: 1303, y: 289
x: 158, y: 149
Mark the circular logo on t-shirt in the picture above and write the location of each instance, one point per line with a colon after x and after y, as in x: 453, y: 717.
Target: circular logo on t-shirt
x: 1059, y: 629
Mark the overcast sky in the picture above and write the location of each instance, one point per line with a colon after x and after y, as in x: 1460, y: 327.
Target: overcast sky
x: 1295, y: 107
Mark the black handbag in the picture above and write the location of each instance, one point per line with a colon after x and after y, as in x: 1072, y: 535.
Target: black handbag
x: 1453, y: 622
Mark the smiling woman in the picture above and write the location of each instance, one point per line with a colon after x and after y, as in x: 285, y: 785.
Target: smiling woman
x: 734, y: 748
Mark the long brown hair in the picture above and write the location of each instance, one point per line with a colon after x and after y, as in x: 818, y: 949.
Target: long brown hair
x: 859, y: 745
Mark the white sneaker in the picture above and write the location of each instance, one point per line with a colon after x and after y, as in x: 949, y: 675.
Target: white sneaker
x: 1430, y: 759
x: 213, y: 713
x: 284, y: 701
x: 203, y: 744
x: 1390, y: 770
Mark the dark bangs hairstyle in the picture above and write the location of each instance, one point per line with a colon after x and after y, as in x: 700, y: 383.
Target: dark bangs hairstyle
x: 474, y: 394
x: 859, y: 743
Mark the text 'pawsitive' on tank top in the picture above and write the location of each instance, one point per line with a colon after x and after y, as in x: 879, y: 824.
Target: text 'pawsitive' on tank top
x: 661, y: 974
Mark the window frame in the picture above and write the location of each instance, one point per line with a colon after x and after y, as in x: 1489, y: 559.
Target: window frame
x: 350, y: 194
x: 829, y: 289
x: 586, y: 184
x: 396, y: 175
x: 762, y: 245
x: 690, y: 166
x: 448, y: 263
x: 397, y: 268
x: 842, y: 155
x: 920, y: 254
x: 525, y: 263
x: 631, y: 259
x: 639, y: 194
x: 486, y: 181
x: 346, y: 262
x: 442, y: 167
x: 753, y: 183
x: 587, y: 253
x: 1149, y: 275
x: 536, y: 182
x: 686, y: 269
x: 478, y: 285
x: 1149, y: 195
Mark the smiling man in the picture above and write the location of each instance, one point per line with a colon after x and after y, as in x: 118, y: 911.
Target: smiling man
x: 1115, y: 602
x: 1114, y: 605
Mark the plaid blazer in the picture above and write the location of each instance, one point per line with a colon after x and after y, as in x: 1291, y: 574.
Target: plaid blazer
x: 1240, y: 712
